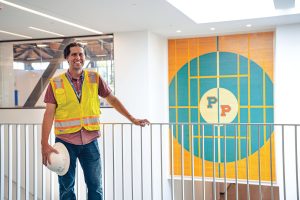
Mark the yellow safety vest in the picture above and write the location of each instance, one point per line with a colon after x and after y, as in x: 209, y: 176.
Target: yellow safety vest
x: 72, y: 115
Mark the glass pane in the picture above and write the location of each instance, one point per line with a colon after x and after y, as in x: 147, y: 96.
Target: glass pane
x: 35, y: 62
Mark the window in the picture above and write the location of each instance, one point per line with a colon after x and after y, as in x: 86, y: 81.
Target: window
x: 35, y: 62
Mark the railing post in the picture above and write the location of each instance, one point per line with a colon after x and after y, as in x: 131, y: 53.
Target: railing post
x: 151, y: 158
x: 271, y: 162
x: 132, y: 189
x: 35, y: 168
x: 259, y: 175
x: 113, y: 160
x: 225, y: 163
x: 296, y: 159
x: 26, y: 163
x: 192, y: 161
x: 247, y: 161
x: 235, y: 162
x: 161, y: 164
x: 104, y: 164
x: 203, y: 164
x: 142, y: 178
x: 2, y: 157
x: 214, y: 160
x: 283, y: 163
x: 52, y: 141
x: 10, y: 162
x: 122, y: 148
x: 182, y: 161
x: 18, y: 162
x: 172, y: 160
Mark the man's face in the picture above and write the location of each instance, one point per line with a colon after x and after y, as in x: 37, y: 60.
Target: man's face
x: 76, y: 58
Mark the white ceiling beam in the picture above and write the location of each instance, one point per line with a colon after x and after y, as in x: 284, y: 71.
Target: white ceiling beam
x: 284, y: 4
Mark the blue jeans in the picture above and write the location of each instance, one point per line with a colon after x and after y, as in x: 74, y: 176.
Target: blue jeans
x: 90, y: 161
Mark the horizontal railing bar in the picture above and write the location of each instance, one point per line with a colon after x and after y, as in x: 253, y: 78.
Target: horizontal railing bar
x: 166, y: 123
x: 221, y: 180
x: 171, y: 123
x: 13, y: 123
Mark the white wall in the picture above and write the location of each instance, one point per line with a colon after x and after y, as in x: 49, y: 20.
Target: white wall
x: 286, y: 74
x: 141, y: 84
x: 158, y: 85
x: 286, y: 101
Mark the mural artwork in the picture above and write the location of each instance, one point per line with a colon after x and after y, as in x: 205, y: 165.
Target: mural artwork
x: 224, y: 80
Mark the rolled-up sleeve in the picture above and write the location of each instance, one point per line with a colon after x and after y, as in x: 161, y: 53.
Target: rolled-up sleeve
x: 49, y: 96
x: 103, y: 89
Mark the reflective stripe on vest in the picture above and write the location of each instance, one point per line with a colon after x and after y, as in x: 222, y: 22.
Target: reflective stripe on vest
x: 62, y: 124
x: 58, y: 83
x: 91, y: 120
x: 67, y: 124
x: 92, y: 77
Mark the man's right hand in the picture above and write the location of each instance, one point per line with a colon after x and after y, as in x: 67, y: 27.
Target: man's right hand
x: 46, y: 151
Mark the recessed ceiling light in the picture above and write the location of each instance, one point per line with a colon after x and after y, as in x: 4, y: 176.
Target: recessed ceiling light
x: 83, y: 43
x: 42, y: 45
x: 178, y: 31
x: 15, y: 34
x: 30, y: 58
x: 49, y: 16
x: 248, y: 25
x: 212, y: 28
x: 45, y: 31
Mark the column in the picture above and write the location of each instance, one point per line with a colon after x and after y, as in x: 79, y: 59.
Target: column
x: 6, y: 75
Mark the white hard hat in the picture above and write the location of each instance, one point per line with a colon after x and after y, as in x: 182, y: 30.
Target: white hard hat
x: 59, y: 162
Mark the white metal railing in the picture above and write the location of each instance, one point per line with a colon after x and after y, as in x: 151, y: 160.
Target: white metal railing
x: 164, y: 161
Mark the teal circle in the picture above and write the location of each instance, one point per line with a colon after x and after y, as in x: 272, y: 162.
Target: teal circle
x: 204, y: 78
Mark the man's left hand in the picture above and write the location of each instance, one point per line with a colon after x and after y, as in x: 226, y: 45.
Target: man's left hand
x: 141, y: 122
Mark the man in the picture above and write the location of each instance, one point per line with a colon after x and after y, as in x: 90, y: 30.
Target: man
x: 72, y: 103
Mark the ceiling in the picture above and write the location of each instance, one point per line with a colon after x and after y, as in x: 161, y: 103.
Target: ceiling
x: 110, y: 16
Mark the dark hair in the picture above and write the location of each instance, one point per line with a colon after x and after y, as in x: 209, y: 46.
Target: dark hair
x: 73, y: 44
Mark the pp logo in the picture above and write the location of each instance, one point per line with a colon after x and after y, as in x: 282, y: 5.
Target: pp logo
x: 218, y: 105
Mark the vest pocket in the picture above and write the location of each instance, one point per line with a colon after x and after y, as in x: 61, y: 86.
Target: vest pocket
x: 60, y: 96
x: 61, y: 99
